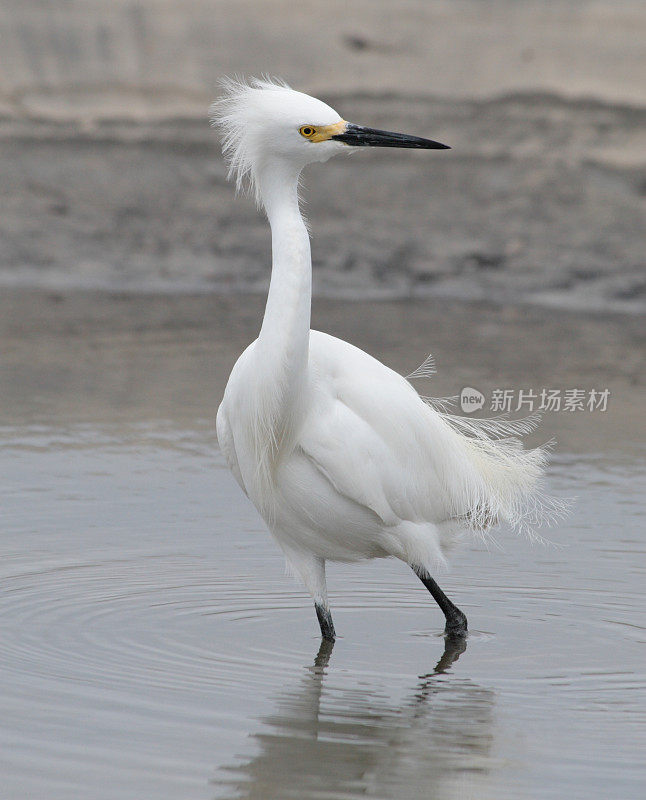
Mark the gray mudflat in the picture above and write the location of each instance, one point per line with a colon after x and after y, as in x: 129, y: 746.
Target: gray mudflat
x: 540, y: 201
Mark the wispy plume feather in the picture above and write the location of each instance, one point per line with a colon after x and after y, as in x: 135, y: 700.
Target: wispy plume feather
x: 496, y: 479
x: 425, y: 370
x: 237, y: 114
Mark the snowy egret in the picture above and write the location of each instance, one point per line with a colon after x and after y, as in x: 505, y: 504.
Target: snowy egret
x: 340, y: 455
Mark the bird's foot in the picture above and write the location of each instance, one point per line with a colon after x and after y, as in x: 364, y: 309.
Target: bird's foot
x: 456, y: 625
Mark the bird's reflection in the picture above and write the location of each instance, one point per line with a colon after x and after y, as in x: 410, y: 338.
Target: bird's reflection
x: 334, y: 737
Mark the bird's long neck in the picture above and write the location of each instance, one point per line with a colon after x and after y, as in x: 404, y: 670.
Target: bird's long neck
x: 283, y: 343
x: 286, y: 322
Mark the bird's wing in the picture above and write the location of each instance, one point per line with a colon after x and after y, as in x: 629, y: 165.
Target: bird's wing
x: 378, y: 443
x: 369, y: 433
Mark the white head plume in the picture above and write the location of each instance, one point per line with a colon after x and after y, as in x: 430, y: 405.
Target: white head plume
x: 259, y: 120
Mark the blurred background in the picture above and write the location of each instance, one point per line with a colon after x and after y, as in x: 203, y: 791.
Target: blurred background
x: 112, y: 179
x: 151, y: 644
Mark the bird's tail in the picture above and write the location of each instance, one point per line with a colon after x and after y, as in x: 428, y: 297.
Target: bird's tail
x: 490, y: 477
x: 499, y: 480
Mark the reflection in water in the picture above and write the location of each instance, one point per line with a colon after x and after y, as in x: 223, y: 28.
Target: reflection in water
x: 334, y: 742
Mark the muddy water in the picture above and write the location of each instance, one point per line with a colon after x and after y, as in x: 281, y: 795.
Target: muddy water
x: 151, y: 645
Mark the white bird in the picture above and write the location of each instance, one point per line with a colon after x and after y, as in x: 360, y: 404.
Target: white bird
x: 340, y: 455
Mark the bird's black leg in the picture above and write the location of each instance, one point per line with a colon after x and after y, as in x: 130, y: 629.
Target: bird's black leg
x: 456, y: 621
x: 325, y: 621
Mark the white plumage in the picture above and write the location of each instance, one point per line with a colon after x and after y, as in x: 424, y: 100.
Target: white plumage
x: 340, y: 455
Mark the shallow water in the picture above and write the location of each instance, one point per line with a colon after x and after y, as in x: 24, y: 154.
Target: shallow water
x: 152, y: 646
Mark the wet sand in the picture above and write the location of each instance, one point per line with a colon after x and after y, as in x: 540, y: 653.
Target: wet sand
x: 541, y: 201
x: 151, y: 644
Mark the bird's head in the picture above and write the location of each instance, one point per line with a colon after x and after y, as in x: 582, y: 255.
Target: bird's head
x: 266, y: 122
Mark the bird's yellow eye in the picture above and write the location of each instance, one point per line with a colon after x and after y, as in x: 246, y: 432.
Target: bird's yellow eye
x: 307, y: 131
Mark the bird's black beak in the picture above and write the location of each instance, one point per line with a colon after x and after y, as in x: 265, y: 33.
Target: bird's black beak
x: 358, y: 136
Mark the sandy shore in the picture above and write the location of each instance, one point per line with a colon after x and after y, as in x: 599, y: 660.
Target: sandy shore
x: 88, y: 59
